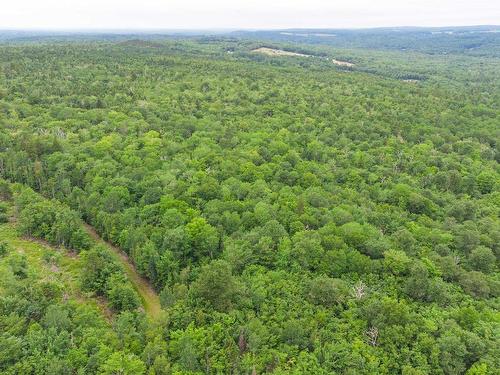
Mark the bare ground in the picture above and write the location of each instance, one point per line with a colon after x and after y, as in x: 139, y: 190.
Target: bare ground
x: 342, y: 63
x: 280, y: 52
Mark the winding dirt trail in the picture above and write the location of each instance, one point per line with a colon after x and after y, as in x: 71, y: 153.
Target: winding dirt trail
x: 150, y: 299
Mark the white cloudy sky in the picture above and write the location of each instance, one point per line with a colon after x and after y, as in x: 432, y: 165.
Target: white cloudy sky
x: 189, y: 14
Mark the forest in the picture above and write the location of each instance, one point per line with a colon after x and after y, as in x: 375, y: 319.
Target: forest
x: 188, y: 206
x: 468, y: 40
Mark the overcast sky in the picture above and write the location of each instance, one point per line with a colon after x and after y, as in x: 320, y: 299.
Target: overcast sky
x: 203, y: 14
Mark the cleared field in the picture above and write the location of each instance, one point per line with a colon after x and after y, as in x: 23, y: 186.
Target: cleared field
x: 342, y: 63
x: 279, y: 52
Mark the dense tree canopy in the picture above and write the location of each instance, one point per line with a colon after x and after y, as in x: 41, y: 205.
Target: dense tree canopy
x: 294, y: 217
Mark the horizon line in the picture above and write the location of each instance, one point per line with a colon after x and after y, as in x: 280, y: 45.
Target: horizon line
x: 221, y: 29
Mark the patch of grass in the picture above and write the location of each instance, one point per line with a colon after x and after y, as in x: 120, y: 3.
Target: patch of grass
x: 46, y: 263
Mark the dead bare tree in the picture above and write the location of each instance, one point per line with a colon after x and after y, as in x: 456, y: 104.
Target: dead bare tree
x: 242, y: 342
x: 359, y: 290
x: 372, y: 335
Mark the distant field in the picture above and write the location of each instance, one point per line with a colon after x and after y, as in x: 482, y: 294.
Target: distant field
x: 280, y: 52
x: 342, y: 63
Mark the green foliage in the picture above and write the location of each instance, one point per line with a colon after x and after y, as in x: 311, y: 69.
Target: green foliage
x: 123, y: 363
x: 47, y: 326
x: 203, y: 238
x: 295, y: 218
x: 486, y: 182
x: 19, y: 265
x: 4, y: 248
x: 103, y: 275
x: 120, y: 294
x: 326, y: 291
x: 4, y: 218
x: 98, y: 267
x: 216, y: 285
x: 51, y: 221
x: 364, y: 238
x: 452, y: 355
x: 482, y: 259
x: 5, y: 190
x: 57, y: 318
x: 475, y: 283
x: 397, y: 262
x: 187, y: 347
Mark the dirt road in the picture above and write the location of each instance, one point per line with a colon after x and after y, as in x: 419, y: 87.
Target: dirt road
x: 150, y: 299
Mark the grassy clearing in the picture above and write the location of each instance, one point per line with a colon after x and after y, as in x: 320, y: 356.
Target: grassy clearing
x: 51, y: 264
x: 37, y: 250
x: 342, y: 63
x: 279, y: 52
